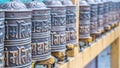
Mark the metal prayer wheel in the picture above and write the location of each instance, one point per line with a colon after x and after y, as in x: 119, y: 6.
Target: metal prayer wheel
x: 70, y: 21
x: 58, y: 25
x: 106, y: 15
x: 17, y: 35
x: 2, y: 35
x: 93, y: 17
x: 84, y: 25
x: 114, y: 16
x: 117, y: 11
x: 41, y: 25
x: 100, y: 15
x: 111, y: 23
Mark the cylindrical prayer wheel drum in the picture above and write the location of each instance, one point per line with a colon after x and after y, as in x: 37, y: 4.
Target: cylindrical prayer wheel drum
x: 100, y: 15
x: 41, y: 25
x: 84, y: 25
x: 70, y: 21
x: 93, y: 18
x: 58, y: 25
x: 119, y: 12
x: 17, y: 35
x: 111, y: 22
x: 116, y: 12
x: 106, y: 15
x: 2, y: 35
x: 114, y: 15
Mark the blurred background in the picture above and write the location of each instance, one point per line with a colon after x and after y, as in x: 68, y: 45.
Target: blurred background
x: 24, y: 1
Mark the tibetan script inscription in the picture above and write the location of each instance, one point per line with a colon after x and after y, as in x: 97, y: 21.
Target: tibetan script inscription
x: 41, y: 26
x: 71, y: 24
x: 17, y: 56
x: 84, y: 26
x: 18, y: 39
x: 100, y: 15
x: 106, y: 13
x: 18, y: 30
x: 58, y: 29
x: 58, y: 38
x: 93, y: 18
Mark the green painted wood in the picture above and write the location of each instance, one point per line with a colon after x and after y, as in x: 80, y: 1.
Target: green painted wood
x: 24, y: 1
x: 2, y: 1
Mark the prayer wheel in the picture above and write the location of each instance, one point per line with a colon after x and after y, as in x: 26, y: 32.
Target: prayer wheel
x: 117, y: 12
x: 93, y: 19
x: 58, y: 28
x: 106, y: 15
x: 100, y: 15
x: 70, y: 21
x: 84, y: 25
x: 2, y: 35
x: 70, y: 27
x: 17, y: 35
x: 41, y: 25
x: 114, y: 13
x: 111, y: 22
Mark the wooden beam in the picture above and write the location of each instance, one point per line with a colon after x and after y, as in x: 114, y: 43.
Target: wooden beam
x: 74, y: 1
x: 115, y: 52
x: 83, y: 58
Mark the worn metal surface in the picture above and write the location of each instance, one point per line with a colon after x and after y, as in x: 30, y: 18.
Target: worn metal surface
x: 106, y: 12
x: 100, y: 14
x: 84, y: 25
x: 110, y: 12
x: 2, y: 35
x: 58, y: 25
x: 93, y: 17
x: 116, y: 11
x: 70, y: 21
x: 41, y: 25
x: 17, y: 35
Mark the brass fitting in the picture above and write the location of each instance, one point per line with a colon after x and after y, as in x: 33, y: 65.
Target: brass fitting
x: 112, y: 25
x: 107, y: 28
x: 116, y: 24
x: 86, y: 40
x: 101, y: 31
x: 95, y: 35
x: 59, y: 55
x: 47, y: 62
x: 33, y: 64
x: 70, y: 51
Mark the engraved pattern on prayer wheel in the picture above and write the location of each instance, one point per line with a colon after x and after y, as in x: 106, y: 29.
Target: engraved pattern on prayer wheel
x: 106, y: 12
x: 100, y: 14
x: 93, y: 16
x: 41, y: 25
x: 58, y: 25
x: 84, y: 25
x: 2, y: 35
x: 111, y: 12
x: 17, y: 35
x: 70, y: 21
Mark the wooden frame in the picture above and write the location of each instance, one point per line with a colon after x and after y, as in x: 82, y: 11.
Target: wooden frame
x: 82, y: 59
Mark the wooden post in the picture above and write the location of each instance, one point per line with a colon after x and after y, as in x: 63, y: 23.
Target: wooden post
x: 76, y: 2
x: 115, y: 52
x: 76, y: 48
